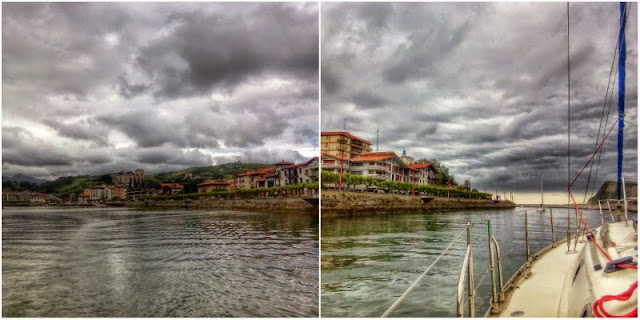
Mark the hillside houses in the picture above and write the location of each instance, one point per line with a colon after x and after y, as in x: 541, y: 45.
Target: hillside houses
x: 282, y: 173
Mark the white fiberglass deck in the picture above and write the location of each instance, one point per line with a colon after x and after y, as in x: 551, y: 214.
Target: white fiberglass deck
x: 561, y: 284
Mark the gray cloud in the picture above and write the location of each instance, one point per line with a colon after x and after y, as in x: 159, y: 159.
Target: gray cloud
x: 90, y: 88
x: 218, y: 51
x: 481, y: 87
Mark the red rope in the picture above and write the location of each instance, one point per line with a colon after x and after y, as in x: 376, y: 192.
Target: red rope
x: 598, y: 306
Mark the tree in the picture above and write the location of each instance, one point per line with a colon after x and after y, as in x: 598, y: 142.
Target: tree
x: 106, y: 179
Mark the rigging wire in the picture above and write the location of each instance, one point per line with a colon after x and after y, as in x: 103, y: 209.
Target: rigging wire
x: 611, y: 72
x: 598, y: 308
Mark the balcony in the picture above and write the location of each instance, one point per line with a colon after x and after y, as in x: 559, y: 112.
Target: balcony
x: 378, y: 167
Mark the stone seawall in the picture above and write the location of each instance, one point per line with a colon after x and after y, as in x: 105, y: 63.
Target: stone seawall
x: 269, y: 204
x: 349, y: 204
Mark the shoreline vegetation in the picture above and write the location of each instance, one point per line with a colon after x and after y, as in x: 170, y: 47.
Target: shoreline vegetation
x: 354, y: 204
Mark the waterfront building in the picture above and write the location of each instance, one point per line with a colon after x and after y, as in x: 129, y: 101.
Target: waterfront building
x: 255, y: 179
x: 332, y: 163
x: 343, y: 144
x: 424, y: 173
x: 109, y: 192
x: 171, y: 188
x: 83, y: 198
x: 31, y: 196
x: 213, y: 185
x: 304, y: 172
x: 382, y: 166
x: 96, y: 193
x: 120, y: 192
x: 308, y: 172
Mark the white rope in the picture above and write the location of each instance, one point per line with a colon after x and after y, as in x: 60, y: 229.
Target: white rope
x: 464, y: 305
x: 404, y: 295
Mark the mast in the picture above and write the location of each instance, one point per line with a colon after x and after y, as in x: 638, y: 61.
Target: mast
x: 622, y: 47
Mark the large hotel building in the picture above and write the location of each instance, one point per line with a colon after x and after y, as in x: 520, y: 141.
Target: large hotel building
x: 341, y: 149
x: 343, y: 144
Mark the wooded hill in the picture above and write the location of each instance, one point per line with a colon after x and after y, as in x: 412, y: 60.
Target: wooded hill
x: 608, y: 191
x: 64, y: 186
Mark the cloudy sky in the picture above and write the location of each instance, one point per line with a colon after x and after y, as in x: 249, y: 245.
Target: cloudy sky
x: 481, y: 87
x: 105, y: 87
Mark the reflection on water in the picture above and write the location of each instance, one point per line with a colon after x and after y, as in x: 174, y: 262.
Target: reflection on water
x: 368, y: 262
x: 115, y: 263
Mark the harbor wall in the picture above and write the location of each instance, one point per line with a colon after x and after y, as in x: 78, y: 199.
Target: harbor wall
x: 269, y: 204
x: 350, y: 204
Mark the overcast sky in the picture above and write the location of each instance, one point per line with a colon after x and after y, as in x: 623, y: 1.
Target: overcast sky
x: 481, y: 87
x: 104, y: 87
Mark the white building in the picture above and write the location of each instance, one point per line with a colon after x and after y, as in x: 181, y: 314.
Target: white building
x: 96, y: 193
x: 383, y: 166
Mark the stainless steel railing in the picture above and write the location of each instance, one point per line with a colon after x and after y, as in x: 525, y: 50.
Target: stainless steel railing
x: 467, y: 269
x: 495, y: 260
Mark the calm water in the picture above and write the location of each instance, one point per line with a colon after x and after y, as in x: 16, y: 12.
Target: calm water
x: 368, y: 262
x: 119, y: 262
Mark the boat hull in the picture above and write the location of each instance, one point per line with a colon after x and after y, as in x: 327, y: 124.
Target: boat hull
x: 558, y: 283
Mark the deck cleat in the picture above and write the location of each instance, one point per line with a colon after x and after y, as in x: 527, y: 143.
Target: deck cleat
x: 612, y: 265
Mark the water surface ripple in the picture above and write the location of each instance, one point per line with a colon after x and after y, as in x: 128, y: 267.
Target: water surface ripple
x: 127, y: 263
x: 368, y: 262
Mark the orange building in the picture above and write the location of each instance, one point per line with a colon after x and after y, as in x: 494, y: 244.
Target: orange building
x: 171, y: 188
x: 343, y: 144
x: 212, y: 185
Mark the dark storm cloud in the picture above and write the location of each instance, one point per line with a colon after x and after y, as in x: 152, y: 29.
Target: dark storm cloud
x: 87, y: 129
x: 481, y: 87
x: 218, y: 51
x: 173, y: 156
x: 90, y: 88
x: 23, y: 148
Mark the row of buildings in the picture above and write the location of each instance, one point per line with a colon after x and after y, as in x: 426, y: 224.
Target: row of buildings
x: 26, y: 196
x: 131, y: 185
x: 342, y: 151
x: 282, y: 174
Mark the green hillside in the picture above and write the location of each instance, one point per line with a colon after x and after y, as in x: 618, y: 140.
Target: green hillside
x: 64, y: 186
x: 608, y: 191
x: 224, y: 171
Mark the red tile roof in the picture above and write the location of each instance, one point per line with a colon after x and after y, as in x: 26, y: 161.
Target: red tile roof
x: 257, y: 172
x: 343, y: 133
x: 284, y: 163
x: 420, y: 165
x: 214, y: 183
x: 375, y: 156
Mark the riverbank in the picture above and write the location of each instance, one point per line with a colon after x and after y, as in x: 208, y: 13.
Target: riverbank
x: 350, y: 204
x: 269, y: 204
